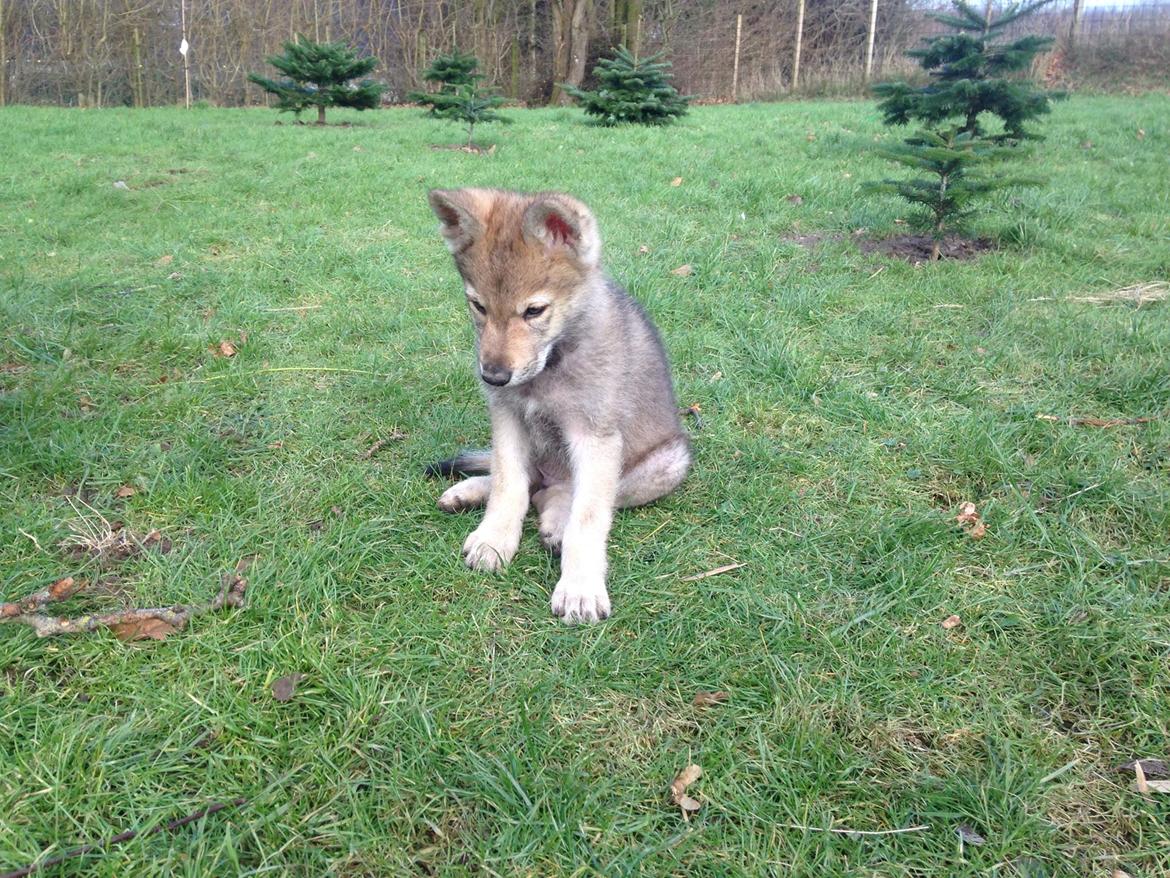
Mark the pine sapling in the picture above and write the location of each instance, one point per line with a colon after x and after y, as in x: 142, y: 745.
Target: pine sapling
x: 974, y: 71
x: 953, y: 161
x: 632, y: 89
x: 321, y: 75
x: 451, y: 73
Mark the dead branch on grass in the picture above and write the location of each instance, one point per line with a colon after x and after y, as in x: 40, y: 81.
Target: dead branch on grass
x: 99, y: 846
x: 843, y: 831
x: 1097, y: 422
x: 133, y: 623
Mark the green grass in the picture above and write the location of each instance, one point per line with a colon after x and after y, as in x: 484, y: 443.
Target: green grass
x: 448, y: 724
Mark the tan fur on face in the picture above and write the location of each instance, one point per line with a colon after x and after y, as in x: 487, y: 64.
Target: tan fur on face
x: 512, y: 251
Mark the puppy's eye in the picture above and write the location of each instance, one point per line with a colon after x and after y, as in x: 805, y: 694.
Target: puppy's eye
x: 478, y: 306
x: 534, y: 311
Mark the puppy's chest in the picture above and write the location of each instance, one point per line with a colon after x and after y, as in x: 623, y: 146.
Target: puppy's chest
x: 544, y: 429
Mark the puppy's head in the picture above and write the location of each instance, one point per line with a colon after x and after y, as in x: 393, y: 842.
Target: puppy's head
x: 526, y: 261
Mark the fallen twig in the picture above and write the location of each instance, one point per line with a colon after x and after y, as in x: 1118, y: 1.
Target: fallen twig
x: 1136, y: 295
x: 129, y: 834
x: 61, y: 590
x: 726, y: 568
x: 225, y: 375
x: 920, y: 828
x: 1096, y: 422
x: 381, y: 443
x: 130, y: 624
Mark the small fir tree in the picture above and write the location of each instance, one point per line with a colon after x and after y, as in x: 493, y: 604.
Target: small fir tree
x: 953, y: 159
x: 452, y: 73
x: 969, y: 72
x: 632, y: 90
x: 321, y: 75
x: 459, y: 98
x: 472, y: 106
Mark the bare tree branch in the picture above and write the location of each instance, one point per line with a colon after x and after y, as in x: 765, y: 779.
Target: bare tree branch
x: 129, y: 834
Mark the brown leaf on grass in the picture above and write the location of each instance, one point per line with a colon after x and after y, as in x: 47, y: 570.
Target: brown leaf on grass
x: 968, y: 518
x: 1153, y: 768
x: 125, y: 491
x: 224, y: 349
x: 684, y: 270
x: 155, y: 537
x: 63, y: 588
x: 951, y: 621
x: 86, y: 404
x: 969, y: 835
x: 143, y: 629
x: 707, y: 699
x: 794, y: 199
x: 165, y: 259
x: 286, y: 687
x: 677, y: 181
x: 678, y: 790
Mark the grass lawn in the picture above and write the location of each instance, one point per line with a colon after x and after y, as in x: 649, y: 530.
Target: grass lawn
x: 446, y: 723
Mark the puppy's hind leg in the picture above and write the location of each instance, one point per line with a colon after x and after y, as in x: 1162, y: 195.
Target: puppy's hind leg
x: 552, y: 503
x: 467, y: 494
x: 656, y: 474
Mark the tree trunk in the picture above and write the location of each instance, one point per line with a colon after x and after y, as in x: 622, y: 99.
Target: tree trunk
x: 633, y: 25
x: 321, y: 114
x: 570, y: 33
x: 3, y: 58
x: 578, y: 43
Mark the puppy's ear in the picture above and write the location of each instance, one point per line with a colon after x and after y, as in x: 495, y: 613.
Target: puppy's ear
x: 565, y: 225
x: 457, y: 211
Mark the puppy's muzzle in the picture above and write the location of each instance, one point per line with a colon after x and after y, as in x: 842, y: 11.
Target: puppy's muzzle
x: 497, y: 376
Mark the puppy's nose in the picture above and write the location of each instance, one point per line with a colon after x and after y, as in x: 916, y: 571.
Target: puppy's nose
x: 495, y: 375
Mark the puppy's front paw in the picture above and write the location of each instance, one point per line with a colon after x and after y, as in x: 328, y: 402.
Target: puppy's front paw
x: 489, y: 548
x: 580, y: 599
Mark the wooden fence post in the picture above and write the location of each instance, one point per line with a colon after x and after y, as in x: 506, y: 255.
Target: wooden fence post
x: 1074, y: 29
x: 735, y: 66
x: 796, y: 51
x: 184, y: 49
x: 869, y: 39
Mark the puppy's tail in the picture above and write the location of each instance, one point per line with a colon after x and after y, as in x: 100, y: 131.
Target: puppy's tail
x: 465, y: 463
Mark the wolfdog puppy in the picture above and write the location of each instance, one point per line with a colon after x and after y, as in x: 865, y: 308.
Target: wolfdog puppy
x: 578, y: 388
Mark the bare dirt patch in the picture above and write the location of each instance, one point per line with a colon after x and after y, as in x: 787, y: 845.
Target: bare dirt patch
x: 917, y: 248
x: 811, y: 239
x: 474, y: 149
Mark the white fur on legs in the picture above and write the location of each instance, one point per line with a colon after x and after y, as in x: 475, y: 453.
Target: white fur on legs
x: 553, y: 503
x: 467, y: 494
x: 492, y: 545
x: 580, y: 595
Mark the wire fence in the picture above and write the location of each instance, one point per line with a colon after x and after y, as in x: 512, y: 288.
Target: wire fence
x: 125, y: 52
